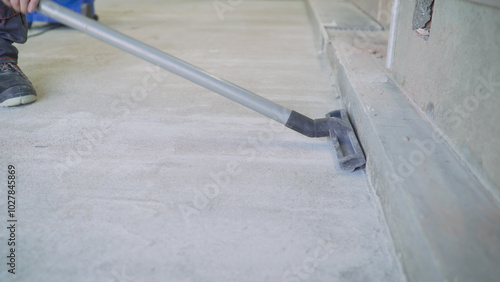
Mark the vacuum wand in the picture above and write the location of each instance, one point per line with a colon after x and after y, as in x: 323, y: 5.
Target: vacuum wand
x: 335, y: 125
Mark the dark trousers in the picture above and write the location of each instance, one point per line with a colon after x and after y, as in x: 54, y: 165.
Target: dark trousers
x: 13, y: 28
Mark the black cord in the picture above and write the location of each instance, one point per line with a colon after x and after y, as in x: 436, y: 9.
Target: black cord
x: 48, y: 27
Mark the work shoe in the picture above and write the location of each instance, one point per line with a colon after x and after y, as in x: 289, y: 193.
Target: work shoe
x: 15, y: 87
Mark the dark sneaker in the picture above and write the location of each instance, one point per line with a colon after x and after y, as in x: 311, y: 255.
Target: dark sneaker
x: 15, y: 88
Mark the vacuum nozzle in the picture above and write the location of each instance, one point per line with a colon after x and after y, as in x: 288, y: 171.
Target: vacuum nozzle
x: 338, y: 127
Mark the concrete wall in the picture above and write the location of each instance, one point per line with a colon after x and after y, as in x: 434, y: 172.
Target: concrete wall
x: 454, y: 77
x: 445, y: 225
x: 380, y: 10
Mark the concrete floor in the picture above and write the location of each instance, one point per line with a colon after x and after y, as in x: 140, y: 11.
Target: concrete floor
x: 129, y: 173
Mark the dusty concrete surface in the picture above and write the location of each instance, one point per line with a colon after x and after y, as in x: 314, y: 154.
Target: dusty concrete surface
x: 127, y: 173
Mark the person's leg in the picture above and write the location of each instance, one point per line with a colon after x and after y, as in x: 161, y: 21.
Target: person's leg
x: 15, y: 88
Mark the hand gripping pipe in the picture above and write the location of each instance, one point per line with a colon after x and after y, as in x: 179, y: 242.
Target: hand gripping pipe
x: 336, y: 125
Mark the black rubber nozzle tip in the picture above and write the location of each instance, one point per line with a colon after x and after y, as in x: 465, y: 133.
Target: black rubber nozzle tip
x: 338, y: 127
